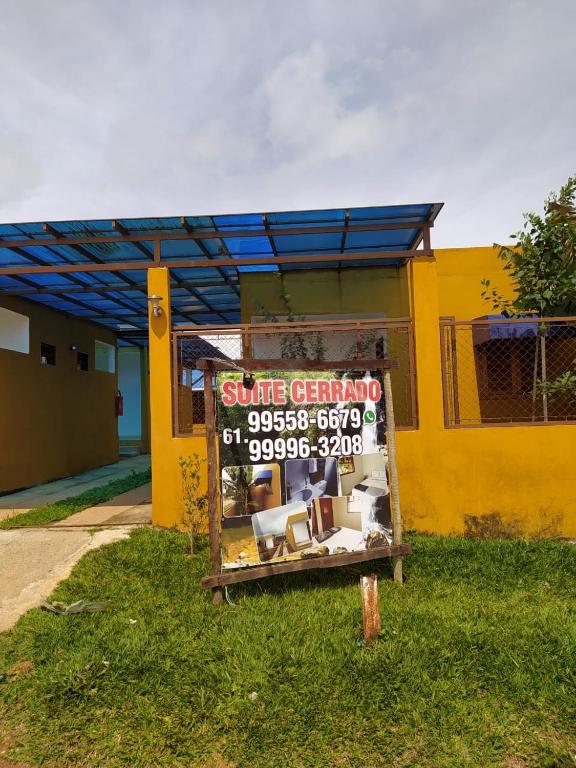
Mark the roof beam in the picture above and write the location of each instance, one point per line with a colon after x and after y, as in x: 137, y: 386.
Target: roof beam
x: 102, y: 288
x: 115, y: 266
x: 90, y: 256
x: 85, y: 305
x: 78, y: 283
x: 138, y: 244
x: 187, y: 226
x: 211, y: 235
x: 131, y: 319
x: 345, y: 230
x: 49, y: 229
x: 270, y: 239
x: 198, y: 296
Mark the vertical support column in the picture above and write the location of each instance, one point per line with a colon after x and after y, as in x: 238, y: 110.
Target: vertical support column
x: 160, y: 383
x: 213, y: 501
x: 426, y: 316
x: 393, y: 474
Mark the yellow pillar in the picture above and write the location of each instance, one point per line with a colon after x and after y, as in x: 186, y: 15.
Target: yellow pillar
x: 167, y: 498
x: 425, y: 314
x: 160, y: 388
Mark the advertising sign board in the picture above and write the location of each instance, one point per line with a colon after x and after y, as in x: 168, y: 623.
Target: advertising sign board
x: 303, y: 465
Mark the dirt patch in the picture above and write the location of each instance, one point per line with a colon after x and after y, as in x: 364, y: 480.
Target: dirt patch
x: 216, y: 761
x: 9, y: 764
x: 490, y: 526
x: 20, y: 668
x: 4, y: 762
x: 515, y: 762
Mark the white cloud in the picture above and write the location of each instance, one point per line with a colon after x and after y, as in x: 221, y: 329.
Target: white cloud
x: 145, y: 108
x: 307, y: 113
x: 19, y: 172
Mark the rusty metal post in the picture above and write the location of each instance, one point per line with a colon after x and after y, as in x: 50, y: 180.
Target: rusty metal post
x: 393, y: 473
x: 212, y: 482
x: 370, y: 608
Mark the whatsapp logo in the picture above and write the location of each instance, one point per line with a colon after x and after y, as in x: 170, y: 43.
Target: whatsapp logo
x: 369, y: 417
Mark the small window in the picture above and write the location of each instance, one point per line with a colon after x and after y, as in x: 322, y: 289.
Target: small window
x: 105, y: 357
x: 81, y: 361
x: 47, y: 354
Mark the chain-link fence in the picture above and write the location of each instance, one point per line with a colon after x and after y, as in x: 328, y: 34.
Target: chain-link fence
x: 327, y: 340
x: 513, y: 371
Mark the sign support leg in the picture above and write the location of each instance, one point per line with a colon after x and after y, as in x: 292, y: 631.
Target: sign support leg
x: 393, y: 473
x: 215, y: 564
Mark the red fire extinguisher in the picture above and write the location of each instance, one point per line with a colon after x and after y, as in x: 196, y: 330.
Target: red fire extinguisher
x: 119, y: 404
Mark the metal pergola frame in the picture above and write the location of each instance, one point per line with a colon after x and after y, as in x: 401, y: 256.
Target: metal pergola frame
x: 64, y: 246
x: 157, y: 239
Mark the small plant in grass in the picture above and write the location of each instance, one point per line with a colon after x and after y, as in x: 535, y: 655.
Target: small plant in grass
x: 195, y: 503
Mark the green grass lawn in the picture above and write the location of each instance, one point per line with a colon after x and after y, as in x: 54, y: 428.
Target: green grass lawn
x: 476, y: 665
x: 60, y: 510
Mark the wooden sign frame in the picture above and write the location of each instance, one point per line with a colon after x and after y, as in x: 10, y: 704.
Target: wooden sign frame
x: 217, y: 578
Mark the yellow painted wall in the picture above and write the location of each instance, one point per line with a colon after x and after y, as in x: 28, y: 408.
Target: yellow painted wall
x: 54, y: 420
x: 497, y: 480
x: 459, y: 274
x: 326, y: 292
x: 379, y: 289
x: 460, y: 271
x: 376, y: 290
x: 513, y: 480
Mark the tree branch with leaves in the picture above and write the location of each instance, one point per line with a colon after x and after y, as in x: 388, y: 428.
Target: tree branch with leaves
x: 542, y: 266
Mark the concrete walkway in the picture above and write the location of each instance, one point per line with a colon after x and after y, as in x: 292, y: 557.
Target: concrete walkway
x: 14, y: 503
x: 131, y: 508
x: 34, y: 560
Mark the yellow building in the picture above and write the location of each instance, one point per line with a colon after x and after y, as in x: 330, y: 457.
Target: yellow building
x: 480, y: 449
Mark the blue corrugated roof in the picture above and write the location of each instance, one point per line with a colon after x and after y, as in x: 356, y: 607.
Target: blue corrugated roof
x: 202, y: 295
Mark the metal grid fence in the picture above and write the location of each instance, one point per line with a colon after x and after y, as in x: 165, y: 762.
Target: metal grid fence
x: 513, y: 371
x: 327, y: 340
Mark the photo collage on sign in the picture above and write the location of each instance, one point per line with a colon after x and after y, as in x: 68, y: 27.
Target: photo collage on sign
x: 304, y: 507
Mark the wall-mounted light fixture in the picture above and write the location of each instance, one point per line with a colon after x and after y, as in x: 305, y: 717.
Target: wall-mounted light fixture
x: 156, y: 308
x: 73, y: 347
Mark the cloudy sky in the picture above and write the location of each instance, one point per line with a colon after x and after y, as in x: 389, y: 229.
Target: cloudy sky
x: 117, y: 108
